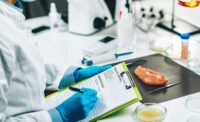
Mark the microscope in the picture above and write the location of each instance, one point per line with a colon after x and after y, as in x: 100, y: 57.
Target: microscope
x: 87, y: 17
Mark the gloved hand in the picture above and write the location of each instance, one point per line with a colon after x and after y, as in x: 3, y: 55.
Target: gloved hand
x: 81, y: 74
x: 78, y: 106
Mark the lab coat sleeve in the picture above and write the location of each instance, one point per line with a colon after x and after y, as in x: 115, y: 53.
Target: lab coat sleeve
x: 6, y: 65
x: 68, y: 77
x: 59, y: 77
x: 55, y: 116
x: 41, y: 116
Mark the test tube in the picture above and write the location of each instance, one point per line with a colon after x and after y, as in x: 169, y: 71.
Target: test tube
x: 185, y: 46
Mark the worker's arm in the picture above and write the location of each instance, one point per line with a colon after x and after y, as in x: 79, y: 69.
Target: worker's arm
x: 57, y: 77
x: 62, y: 79
x: 80, y: 74
x: 7, y: 63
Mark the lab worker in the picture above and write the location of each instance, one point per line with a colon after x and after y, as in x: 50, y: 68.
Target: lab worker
x: 24, y: 76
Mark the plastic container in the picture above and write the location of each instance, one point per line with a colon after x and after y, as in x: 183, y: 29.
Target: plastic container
x: 194, y: 65
x: 126, y: 27
x: 173, y: 51
x: 159, y: 40
x: 192, y: 103
x: 185, y: 46
x: 55, y: 18
x: 150, y: 112
x: 194, y: 119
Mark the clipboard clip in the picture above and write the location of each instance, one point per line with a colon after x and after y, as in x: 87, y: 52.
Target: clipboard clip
x: 127, y: 80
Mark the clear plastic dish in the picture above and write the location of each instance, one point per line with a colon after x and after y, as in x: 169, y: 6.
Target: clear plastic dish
x: 150, y: 112
x: 193, y: 103
x: 194, y: 119
x: 194, y: 64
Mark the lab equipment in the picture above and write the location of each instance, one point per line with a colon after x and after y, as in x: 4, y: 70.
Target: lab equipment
x: 173, y: 52
x: 159, y: 40
x: 189, y: 3
x: 78, y: 106
x: 182, y: 19
x: 102, y: 46
x: 89, y: 16
x: 55, y: 18
x: 185, y: 46
x: 164, y: 87
x: 64, y: 17
x: 149, y: 17
x: 111, y: 91
x: 82, y: 74
x: 194, y: 65
x: 192, y: 103
x: 88, y: 61
x: 150, y: 112
x: 126, y: 26
x: 195, y: 118
x: 40, y: 28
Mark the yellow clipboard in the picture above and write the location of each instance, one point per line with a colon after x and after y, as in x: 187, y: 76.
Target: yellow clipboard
x: 134, y: 88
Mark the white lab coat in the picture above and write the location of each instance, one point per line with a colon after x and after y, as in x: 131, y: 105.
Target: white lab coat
x: 23, y: 75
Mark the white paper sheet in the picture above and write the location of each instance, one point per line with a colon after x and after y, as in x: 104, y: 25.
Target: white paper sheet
x: 111, y: 86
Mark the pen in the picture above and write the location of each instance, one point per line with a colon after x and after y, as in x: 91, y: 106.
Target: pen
x: 76, y: 89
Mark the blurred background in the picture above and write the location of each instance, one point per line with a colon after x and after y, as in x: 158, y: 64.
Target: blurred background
x: 41, y: 7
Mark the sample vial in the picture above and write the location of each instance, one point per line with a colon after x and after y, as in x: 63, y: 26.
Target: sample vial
x: 185, y: 46
x: 54, y: 17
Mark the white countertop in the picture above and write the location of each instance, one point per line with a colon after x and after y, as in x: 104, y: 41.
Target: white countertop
x: 64, y: 49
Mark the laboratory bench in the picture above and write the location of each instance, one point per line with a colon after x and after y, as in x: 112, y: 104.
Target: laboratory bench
x: 64, y: 49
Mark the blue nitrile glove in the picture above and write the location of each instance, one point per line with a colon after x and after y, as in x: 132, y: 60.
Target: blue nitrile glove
x: 78, y: 106
x: 68, y: 78
x: 81, y: 74
x: 75, y: 74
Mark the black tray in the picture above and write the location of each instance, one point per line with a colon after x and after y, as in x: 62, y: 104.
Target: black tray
x: 189, y: 81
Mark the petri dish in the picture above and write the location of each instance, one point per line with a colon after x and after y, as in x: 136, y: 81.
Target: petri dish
x: 194, y: 119
x: 159, y: 40
x: 173, y: 52
x: 150, y: 112
x: 194, y: 64
x: 192, y: 103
